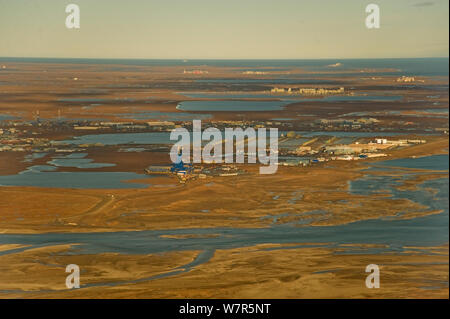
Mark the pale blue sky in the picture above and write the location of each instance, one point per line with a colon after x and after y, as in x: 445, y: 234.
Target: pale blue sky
x: 226, y: 29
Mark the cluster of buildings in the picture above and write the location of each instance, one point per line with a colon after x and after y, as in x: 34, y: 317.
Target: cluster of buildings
x: 335, y: 65
x: 322, y: 149
x: 195, y: 72
x: 242, y: 124
x: 294, y: 161
x: 354, y: 124
x: 368, y: 149
x: 254, y: 72
x: 11, y: 141
x: 408, y: 79
x: 308, y: 91
x: 185, y: 172
x: 128, y: 126
x: 385, y: 141
x: 305, y: 150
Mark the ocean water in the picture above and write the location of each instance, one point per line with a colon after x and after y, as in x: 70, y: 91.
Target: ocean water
x: 408, y: 66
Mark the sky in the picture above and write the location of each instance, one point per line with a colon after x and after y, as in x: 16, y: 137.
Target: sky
x: 224, y: 29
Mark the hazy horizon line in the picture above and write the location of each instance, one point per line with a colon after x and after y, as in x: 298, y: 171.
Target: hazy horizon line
x: 224, y: 59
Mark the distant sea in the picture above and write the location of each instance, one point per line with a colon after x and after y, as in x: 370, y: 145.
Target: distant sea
x: 407, y: 66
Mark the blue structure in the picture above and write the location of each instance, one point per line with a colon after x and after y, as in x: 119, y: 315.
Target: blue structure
x: 179, y: 165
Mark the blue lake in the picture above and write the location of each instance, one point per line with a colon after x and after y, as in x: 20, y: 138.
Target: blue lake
x: 435, y: 162
x: 151, y: 138
x: 231, y: 106
x: 295, y: 98
x: 96, y: 100
x: 45, y: 176
x: 350, y: 98
x: 122, y: 138
x: 272, y: 81
x: 345, y: 134
x: 167, y: 116
x: 7, y: 117
x: 77, y: 160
